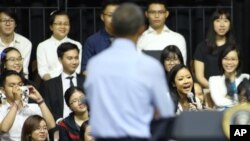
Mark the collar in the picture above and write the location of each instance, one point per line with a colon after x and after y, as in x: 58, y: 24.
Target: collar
x: 151, y: 30
x: 105, y: 34
x: 123, y: 43
x: 15, y: 41
x: 58, y: 41
x: 64, y: 75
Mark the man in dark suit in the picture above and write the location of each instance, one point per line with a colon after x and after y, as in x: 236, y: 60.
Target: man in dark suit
x: 53, y: 90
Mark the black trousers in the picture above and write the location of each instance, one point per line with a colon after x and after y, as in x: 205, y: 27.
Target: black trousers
x: 122, y: 139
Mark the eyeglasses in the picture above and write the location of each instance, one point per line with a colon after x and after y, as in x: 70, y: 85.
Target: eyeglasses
x: 160, y: 12
x: 5, y: 21
x: 44, y: 128
x: 172, y: 60
x: 61, y: 24
x: 12, y: 59
x: 81, y: 100
x: 75, y: 101
x: 108, y: 14
x: 15, y: 84
x: 230, y: 59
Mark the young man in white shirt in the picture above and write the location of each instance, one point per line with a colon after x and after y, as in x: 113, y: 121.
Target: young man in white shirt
x: 14, y: 110
x: 158, y: 35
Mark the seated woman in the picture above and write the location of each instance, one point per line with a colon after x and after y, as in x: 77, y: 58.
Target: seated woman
x: 181, y: 84
x: 69, y: 128
x: 35, y: 129
x: 223, y: 88
x: 11, y: 59
x: 171, y: 56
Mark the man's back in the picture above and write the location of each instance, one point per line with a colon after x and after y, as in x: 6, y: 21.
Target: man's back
x: 123, y: 90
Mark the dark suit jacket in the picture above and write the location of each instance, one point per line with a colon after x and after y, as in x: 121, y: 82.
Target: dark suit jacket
x: 52, y: 92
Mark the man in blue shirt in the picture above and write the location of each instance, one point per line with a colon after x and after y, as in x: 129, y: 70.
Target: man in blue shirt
x: 102, y: 39
x: 124, y: 87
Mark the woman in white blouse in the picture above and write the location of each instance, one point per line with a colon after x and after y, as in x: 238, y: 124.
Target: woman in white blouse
x: 223, y: 88
x: 47, y: 59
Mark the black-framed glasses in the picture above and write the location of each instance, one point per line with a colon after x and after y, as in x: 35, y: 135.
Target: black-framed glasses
x: 12, y: 59
x: 5, y: 21
x: 61, y: 24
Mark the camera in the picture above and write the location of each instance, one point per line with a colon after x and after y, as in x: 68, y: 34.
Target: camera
x: 2, y: 97
x: 25, y: 93
x: 25, y: 90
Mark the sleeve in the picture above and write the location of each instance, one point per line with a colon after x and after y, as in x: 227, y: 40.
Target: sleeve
x: 161, y: 94
x: 87, y: 53
x: 41, y: 61
x: 218, y: 92
x: 198, y: 54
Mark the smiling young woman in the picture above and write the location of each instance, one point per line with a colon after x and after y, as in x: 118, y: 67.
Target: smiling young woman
x: 35, y: 129
x: 223, y: 88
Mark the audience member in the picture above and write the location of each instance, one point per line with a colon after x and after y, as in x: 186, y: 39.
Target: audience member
x: 171, y: 56
x: 9, y: 38
x: 206, y: 55
x: 223, y: 88
x: 11, y: 59
x: 126, y: 86
x: 47, y: 60
x: 35, y: 129
x: 54, y: 89
x: 14, y: 111
x: 70, y: 126
x: 158, y: 35
x: 244, y: 91
x: 85, y: 132
x: 102, y: 39
x: 181, y: 84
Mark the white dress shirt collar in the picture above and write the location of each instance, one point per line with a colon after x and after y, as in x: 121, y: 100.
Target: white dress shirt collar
x: 151, y: 30
x: 64, y: 75
x: 59, y: 41
x: 12, y: 44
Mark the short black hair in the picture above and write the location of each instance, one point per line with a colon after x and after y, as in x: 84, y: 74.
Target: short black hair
x: 64, y: 47
x: 127, y: 19
x: 69, y: 92
x: 7, y: 73
x: 55, y: 13
x: 10, y: 13
x: 106, y: 3
x: 163, y: 2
